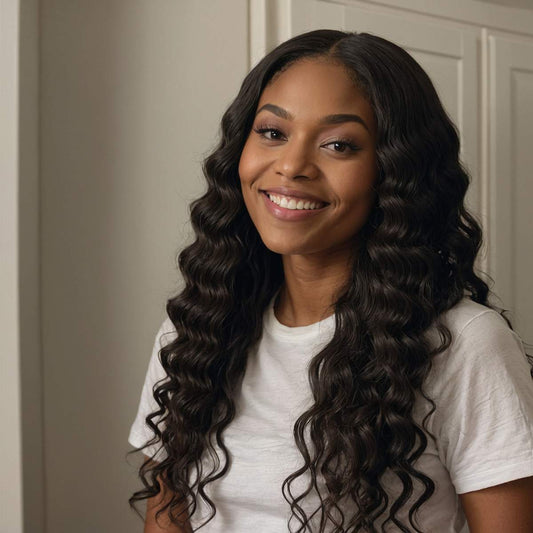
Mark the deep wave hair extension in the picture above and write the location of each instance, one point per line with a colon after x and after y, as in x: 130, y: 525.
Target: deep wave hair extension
x: 414, y: 259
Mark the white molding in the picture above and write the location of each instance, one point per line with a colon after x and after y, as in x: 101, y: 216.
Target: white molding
x: 257, y: 13
x: 484, y: 167
x: 11, y: 513
x: 506, y: 56
x: 29, y: 271
x: 22, y: 485
x: 269, y: 23
x: 481, y: 14
x: 304, y: 14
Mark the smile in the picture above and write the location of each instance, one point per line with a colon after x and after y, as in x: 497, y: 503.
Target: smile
x: 295, y: 208
x: 289, y: 202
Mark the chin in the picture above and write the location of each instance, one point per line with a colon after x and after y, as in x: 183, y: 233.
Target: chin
x: 286, y: 248
x: 277, y: 246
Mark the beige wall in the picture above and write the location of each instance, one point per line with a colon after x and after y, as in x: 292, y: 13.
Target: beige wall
x: 132, y: 92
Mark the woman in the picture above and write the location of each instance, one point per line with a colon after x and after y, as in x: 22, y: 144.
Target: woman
x: 333, y: 363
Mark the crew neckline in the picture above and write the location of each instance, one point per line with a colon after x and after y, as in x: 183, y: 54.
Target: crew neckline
x: 276, y: 328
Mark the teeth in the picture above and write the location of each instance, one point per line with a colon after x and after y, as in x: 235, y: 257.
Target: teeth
x: 291, y: 203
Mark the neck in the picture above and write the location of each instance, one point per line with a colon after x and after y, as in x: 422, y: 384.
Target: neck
x: 310, y: 289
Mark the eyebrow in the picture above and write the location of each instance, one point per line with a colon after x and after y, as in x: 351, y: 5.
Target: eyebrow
x: 339, y: 118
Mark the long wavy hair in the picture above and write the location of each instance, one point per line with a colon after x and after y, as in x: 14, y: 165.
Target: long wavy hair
x: 415, y: 260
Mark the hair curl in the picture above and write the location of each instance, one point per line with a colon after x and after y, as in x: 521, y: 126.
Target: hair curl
x: 415, y: 260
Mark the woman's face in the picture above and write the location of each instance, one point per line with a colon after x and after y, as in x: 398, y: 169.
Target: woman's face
x: 308, y: 167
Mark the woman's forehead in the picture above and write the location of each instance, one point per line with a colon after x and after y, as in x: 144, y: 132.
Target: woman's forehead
x: 313, y: 88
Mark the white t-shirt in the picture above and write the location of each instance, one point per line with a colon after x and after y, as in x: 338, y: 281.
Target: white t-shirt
x: 483, y: 422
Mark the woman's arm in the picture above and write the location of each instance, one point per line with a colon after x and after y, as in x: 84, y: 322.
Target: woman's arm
x: 163, y: 523
x: 507, y: 507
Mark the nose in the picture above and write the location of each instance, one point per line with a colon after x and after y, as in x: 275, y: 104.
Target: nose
x: 295, y: 160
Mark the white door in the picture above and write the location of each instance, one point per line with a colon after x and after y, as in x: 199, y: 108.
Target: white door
x: 511, y: 177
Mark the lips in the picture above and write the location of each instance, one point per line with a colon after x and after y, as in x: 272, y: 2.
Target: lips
x: 293, y: 193
x: 291, y: 213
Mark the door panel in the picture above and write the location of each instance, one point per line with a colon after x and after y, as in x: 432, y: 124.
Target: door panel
x: 510, y: 177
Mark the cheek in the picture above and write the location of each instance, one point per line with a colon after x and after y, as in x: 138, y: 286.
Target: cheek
x: 247, y: 173
x: 247, y: 165
x: 358, y: 200
x: 254, y: 163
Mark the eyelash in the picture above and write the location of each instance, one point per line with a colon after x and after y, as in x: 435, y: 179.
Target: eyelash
x: 348, y: 143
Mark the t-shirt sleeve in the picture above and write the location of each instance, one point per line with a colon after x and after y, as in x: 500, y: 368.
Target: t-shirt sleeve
x: 484, y: 417
x: 140, y: 432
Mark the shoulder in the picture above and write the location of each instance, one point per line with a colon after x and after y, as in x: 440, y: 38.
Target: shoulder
x: 485, y: 366
x: 479, y: 336
x: 481, y: 342
x: 483, y: 394
x: 468, y: 316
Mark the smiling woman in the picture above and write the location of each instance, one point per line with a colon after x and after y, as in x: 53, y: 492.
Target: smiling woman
x: 333, y: 363
x: 314, y: 154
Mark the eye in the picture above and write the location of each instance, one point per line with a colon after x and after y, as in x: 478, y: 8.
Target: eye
x: 342, y: 146
x: 269, y: 133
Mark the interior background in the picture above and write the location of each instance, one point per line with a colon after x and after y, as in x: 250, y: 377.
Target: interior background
x: 107, y: 109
